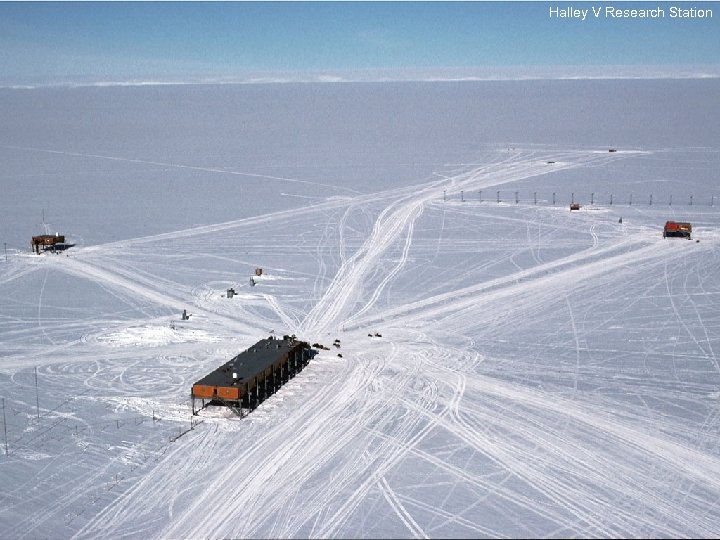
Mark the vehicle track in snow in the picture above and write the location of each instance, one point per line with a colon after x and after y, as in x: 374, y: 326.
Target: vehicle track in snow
x: 396, y: 217
x: 329, y: 454
x: 389, y: 225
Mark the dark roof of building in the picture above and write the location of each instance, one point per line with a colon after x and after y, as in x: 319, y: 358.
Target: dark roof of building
x: 252, y: 361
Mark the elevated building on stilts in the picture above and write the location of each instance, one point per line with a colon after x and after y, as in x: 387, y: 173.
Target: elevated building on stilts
x: 253, y: 375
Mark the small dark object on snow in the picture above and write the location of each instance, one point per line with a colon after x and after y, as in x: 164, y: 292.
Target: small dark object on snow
x: 378, y: 335
x: 369, y: 335
x: 697, y: 241
x: 620, y: 220
x: 336, y: 344
x: 340, y: 355
x: 185, y: 315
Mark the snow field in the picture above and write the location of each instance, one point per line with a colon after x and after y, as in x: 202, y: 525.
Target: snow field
x: 540, y: 372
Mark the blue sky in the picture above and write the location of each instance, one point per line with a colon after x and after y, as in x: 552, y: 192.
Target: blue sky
x: 59, y: 41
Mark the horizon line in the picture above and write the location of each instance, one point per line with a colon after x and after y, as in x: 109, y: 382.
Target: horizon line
x: 480, y: 74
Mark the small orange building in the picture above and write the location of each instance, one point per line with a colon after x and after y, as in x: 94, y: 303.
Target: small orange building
x: 47, y: 241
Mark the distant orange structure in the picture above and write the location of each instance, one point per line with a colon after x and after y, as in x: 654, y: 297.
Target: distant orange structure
x: 677, y: 229
x: 47, y: 241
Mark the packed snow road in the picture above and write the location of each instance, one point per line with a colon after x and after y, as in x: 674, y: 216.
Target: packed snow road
x: 506, y: 370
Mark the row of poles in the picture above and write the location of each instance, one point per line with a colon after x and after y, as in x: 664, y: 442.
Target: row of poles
x: 37, y: 405
x: 572, y: 201
x: 155, y: 418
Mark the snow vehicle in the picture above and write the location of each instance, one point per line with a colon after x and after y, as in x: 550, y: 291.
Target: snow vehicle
x: 677, y: 229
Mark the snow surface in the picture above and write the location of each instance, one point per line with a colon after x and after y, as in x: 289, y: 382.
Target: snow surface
x: 540, y: 372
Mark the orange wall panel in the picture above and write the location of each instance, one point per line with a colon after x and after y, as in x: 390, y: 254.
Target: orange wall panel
x: 226, y: 392
x: 202, y: 391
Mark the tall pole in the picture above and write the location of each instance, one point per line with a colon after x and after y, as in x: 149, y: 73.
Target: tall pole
x: 462, y: 196
x: 498, y: 196
x: 480, y: 193
x: 651, y: 199
x: 5, y: 246
x: 592, y: 199
x: 37, y: 395
x: 690, y: 200
x: 516, y: 197
x: 5, y: 426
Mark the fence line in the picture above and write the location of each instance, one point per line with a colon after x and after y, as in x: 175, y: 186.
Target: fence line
x: 594, y: 199
x: 55, y: 427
